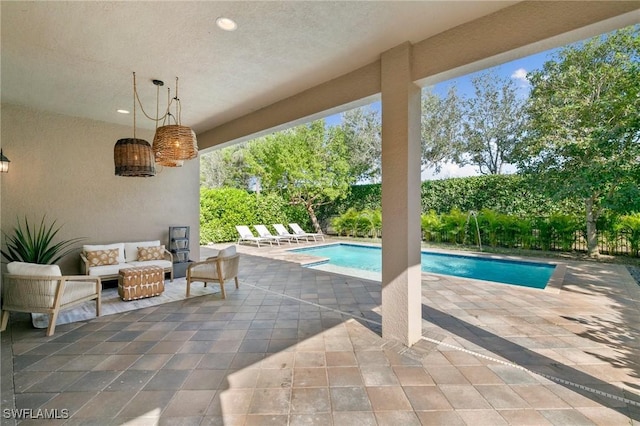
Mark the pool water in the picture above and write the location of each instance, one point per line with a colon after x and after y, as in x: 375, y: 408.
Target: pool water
x: 527, y: 274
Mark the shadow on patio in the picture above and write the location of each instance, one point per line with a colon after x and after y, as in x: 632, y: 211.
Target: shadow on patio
x: 298, y: 346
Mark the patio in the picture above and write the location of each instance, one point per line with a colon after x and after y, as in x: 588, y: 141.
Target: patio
x: 299, y: 346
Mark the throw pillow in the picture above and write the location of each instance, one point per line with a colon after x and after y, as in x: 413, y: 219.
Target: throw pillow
x: 103, y: 257
x: 151, y: 253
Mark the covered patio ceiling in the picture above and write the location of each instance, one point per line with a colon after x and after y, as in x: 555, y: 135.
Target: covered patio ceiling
x: 76, y: 58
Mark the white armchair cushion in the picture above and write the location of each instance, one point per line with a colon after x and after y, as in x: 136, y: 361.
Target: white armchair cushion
x: 23, y: 268
x: 96, y: 247
x: 75, y: 290
x: 227, y: 251
x: 131, y: 249
x: 214, y: 253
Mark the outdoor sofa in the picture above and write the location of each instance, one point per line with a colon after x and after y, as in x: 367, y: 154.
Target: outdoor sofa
x: 106, y: 260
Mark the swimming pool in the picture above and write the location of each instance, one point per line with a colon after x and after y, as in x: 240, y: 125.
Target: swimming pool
x: 369, y: 258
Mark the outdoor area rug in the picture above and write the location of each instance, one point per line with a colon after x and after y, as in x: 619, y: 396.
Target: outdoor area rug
x: 112, y: 304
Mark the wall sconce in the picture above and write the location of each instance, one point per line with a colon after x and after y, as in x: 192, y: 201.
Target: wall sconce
x: 4, y: 163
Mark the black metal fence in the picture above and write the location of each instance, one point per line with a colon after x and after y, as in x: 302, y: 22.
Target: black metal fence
x: 611, y: 243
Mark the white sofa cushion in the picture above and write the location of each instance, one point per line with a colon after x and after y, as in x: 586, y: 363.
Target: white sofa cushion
x: 98, y: 271
x: 23, y: 268
x: 161, y: 263
x: 131, y: 249
x: 95, y: 247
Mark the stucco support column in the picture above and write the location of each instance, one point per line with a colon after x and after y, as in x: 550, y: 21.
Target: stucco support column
x: 401, y: 293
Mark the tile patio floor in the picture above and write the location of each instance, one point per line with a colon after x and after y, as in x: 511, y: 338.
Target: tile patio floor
x: 299, y: 347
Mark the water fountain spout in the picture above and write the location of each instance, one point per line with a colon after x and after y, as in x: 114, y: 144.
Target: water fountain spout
x: 475, y: 216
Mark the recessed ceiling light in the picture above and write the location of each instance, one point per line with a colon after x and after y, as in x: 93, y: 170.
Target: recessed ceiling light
x: 122, y: 111
x: 226, y: 24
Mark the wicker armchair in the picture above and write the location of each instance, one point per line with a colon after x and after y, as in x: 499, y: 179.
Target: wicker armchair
x: 43, y: 289
x: 219, y: 268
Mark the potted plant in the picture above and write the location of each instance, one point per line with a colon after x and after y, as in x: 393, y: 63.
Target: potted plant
x: 34, y: 244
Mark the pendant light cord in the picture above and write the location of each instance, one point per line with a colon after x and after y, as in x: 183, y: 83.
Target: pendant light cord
x: 167, y: 115
x: 137, y: 97
x: 135, y: 94
x: 178, y: 105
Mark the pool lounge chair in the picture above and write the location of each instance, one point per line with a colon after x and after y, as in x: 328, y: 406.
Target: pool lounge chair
x: 282, y: 232
x: 301, y: 233
x: 246, y: 235
x: 264, y: 233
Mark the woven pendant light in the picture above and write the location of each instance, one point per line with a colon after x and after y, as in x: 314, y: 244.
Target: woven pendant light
x: 170, y: 163
x: 174, y: 142
x: 134, y: 157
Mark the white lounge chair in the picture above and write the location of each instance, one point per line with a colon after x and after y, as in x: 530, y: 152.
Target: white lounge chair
x: 301, y: 233
x: 246, y: 235
x: 264, y: 233
x: 282, y: 232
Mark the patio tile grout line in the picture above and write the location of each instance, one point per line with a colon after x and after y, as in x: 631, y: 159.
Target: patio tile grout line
x: 510, y: 364
x: 546, y: 376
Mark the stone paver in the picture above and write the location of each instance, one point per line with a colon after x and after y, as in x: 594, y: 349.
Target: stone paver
x: 298, y: 346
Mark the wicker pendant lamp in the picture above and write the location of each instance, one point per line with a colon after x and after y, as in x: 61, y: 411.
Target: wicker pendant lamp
x: 169, y: 163
x: 173, y: 143
x: 134, y: 157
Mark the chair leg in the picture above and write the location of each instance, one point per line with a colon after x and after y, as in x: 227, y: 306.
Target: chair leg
x: 188, y: 286
x: 4, y: 320
x: 53, y: 317
x: 98, y: 298
x: 224, y: 296
x: 236, y: 282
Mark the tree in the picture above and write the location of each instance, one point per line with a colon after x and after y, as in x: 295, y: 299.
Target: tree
x: 307, y: 165
x: 225, y: 168
x: 584, y: 132
x: 492, y: 125
x: 362, y: 132
x: 441, y: 121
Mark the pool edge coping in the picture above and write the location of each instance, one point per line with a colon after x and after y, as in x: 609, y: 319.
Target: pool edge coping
x: 554, y: 284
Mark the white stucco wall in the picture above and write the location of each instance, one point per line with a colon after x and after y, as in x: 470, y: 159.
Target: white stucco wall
x: 63, y: 167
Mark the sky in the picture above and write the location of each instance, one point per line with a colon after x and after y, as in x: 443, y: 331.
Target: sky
x: 516, y: 70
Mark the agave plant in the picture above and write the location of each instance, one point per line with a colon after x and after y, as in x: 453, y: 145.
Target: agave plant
x: 35, y: 244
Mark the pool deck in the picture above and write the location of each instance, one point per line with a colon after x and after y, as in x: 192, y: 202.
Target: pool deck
x: 297, y: 346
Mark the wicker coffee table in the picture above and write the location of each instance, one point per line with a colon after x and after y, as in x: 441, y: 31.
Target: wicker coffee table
x: 140, y: 282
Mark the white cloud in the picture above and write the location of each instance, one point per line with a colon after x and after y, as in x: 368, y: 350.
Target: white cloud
x: 521, y: 75
x: 450, y: 170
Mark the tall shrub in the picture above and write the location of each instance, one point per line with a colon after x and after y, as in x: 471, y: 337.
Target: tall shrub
x: 431, y: 225
x: 564, y: 229
x: 454, y: 226
x: 631, y: 224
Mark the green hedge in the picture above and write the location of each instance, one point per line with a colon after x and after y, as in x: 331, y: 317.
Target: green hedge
x: 507, y: 194
x: 560, y: 232
x: 224, y: 208
x: 509, y: 212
